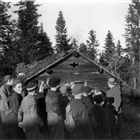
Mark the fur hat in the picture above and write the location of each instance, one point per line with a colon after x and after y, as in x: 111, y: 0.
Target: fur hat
x: 78, y: 89
x: 87, y: 89
x: 53, y: 82
x: 111, y: 81
x: 31, y: 86
x: 98, y: 99
x: 16, y: 81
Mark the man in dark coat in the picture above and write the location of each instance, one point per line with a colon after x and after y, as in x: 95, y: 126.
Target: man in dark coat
x: 83, y: 129
x: 40, y: 97
x: 102, y: 130
x: 86, y: 100
x: 85, y: 97
x: 55, y: 119
x: 111, y: 116
x: 63, y: 99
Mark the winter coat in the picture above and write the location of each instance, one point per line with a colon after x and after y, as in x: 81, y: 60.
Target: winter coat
x: 55, y: 119
x: 102, y: 130
x: 5, y: 94
x: 116, y: 94
x: 11, y: 119
x: 28, y: 114
x: 83, y: 129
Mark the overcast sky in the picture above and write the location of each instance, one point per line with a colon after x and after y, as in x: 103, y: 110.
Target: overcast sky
x: 81, y: 16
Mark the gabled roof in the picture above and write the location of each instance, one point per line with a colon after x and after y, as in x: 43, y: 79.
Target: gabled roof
x: 65, y: 57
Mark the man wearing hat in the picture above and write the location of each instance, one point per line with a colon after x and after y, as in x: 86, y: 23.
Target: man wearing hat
x: 28, y: 115
x: 83, y: 129
x: 54, y: 119
x: 115, y: 92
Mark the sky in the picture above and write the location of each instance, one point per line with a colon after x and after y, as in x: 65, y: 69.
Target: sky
x: 81, y: 16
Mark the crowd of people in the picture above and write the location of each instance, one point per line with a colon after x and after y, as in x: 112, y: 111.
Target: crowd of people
x: 54, y: 110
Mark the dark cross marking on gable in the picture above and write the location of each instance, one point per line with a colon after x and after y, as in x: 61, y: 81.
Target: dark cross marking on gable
x: 74, y: 64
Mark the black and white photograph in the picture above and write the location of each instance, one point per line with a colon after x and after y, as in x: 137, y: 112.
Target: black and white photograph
x: 69, y: 69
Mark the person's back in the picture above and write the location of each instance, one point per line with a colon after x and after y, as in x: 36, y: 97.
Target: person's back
x: 111, y: 116
x: 87, y: 102
x: 42, y: 110
x: 101, y: 131
x: 52, y: 102
x: 83, y: 129
x: 28, y: 116
x: 63, y: 100
x: 54, y: 118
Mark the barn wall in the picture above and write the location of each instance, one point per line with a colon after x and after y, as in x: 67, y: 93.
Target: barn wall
x: 85, y: 71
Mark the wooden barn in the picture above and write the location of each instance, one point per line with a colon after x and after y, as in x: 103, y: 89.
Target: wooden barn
x: 75, y: 67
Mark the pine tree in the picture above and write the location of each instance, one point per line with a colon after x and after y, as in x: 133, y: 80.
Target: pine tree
x: 28, y: 25
x: 62, y: 41
x: 132, y: 37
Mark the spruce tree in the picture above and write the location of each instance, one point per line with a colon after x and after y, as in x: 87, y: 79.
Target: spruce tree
x: 62, y: 41
x: 83, y: 48
x: 7, y: 37
x: 109, y: 50
x: 28, y: 25
x: 44, y: 45
x: 74, y: 44
x: 119, y: 49
x: 92, y: 44
x: 118, y: 58
x: 132, y: 38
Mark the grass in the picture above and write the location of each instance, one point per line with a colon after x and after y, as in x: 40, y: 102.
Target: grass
x: 131, y: 113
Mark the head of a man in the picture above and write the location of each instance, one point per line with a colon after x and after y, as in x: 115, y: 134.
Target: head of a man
x: 17, y: 86
x: 78, y: 91
x: 98, y: 100
x: 54, y: 82
x: 64, y: 90
x: 111, y: 82
x: 9, y: 79
x: 31, y: 88
x: 87, y: 90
